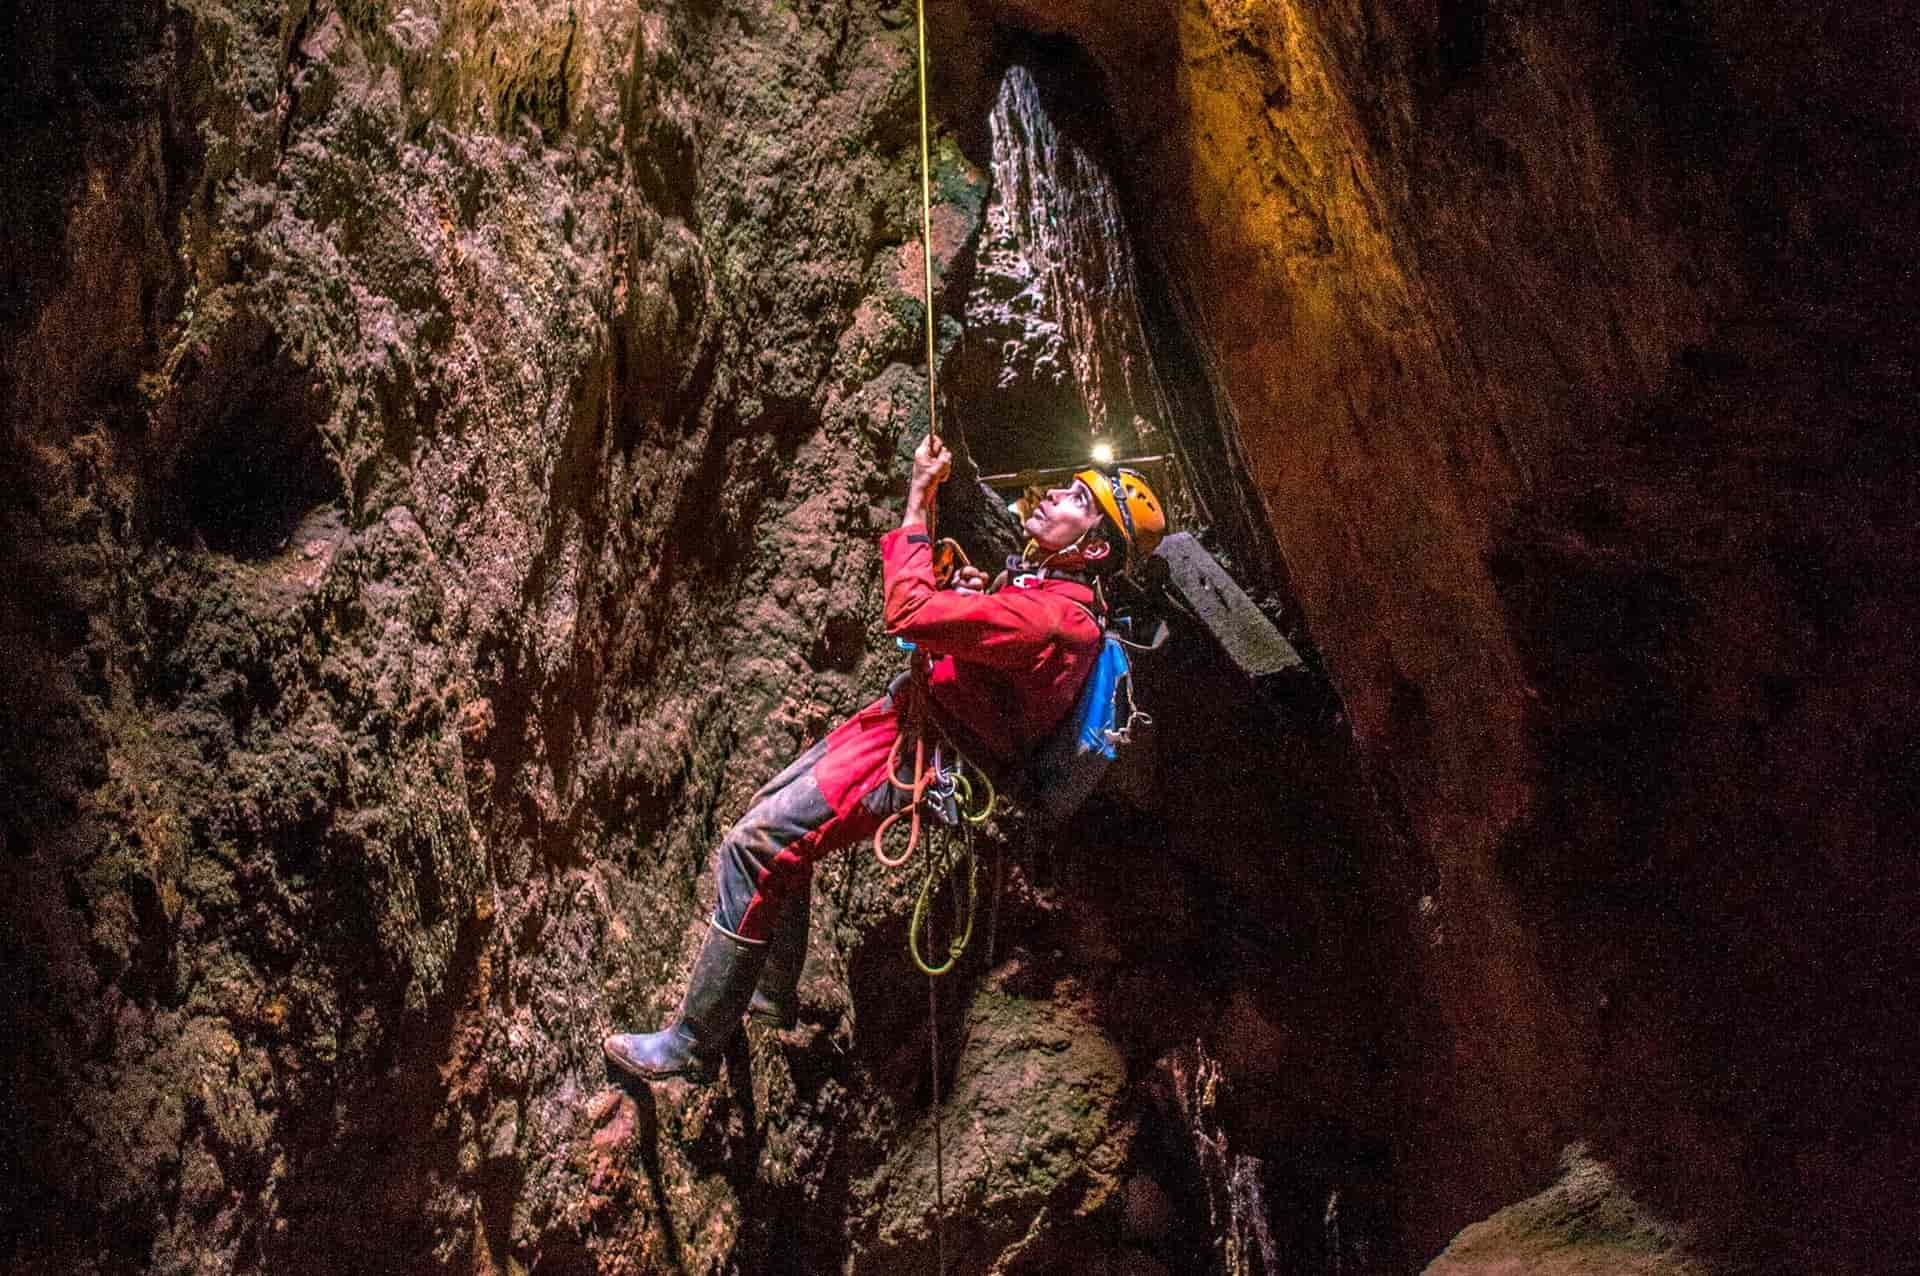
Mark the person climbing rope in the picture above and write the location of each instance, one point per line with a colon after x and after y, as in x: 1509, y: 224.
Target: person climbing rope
x: 998, y: 666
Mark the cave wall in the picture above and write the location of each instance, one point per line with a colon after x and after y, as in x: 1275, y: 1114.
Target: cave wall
x: 1561, y: 343
x: 443, y: 449
x: 443, y: 446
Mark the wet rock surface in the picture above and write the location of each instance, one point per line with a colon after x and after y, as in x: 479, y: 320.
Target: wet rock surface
x: 444, y: 449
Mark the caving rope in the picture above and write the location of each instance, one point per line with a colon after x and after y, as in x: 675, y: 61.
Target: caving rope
x: 931, y: 778
x: 951, y: 788
x: 922, y: 775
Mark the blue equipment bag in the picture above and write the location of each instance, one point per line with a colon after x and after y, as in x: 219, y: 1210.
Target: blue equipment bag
x: 1063, y: 771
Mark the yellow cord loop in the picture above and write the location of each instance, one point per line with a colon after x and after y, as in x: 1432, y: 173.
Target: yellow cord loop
x: 958, y: 858
x: 951, y: 855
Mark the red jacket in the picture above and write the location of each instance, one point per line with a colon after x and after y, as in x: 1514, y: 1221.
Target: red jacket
x: 1006, y: 666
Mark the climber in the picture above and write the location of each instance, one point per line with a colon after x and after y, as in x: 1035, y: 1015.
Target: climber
x: 1006, y: 662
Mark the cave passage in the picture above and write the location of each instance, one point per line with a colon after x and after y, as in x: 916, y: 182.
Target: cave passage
x: 1060, y: 361
x: 1073, y: 337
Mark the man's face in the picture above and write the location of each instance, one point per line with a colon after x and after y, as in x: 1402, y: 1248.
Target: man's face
x: 1063, y: 516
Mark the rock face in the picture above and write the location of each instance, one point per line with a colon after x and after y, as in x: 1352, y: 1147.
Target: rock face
x: 444, y: 443
x: 440, y: 456
x: 1559, y: 346
x: 1585, y: 1223
x: 1053, y: 325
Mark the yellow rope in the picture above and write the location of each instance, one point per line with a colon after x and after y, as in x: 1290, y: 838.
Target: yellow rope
x: 921, y: 775
x: 926, y: 208
x: 940, y: 870
x: 933, y: 1007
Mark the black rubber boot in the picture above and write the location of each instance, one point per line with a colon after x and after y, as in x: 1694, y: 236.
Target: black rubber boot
x: 717, y: 991
x: 777, y: 1000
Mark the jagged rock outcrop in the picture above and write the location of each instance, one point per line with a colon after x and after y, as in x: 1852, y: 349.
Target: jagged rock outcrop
x: 444, y: 442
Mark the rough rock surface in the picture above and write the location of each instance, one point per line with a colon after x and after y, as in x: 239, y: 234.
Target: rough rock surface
x: 443, y: 446
x: 1054, y: 331
x: 1584, y: 1225
x: 1560, y: 339
x: 1034, y: 1149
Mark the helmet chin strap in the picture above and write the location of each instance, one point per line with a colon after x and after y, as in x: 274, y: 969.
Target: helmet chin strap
x: 1041, y: 568
x: 1066, y: 551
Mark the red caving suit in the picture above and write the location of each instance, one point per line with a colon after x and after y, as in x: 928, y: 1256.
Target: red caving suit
x: 1005, y: 668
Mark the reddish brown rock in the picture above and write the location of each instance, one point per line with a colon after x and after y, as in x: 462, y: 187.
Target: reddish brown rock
x: 443, y: 446
x: 1584, y: 1225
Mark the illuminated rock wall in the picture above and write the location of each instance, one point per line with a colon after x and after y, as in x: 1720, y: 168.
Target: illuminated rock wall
x: 444, y: 449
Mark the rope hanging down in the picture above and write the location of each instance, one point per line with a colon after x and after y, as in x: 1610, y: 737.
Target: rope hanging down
x: 923, y: 775
x: 920, y: 778
x: 926, y: 215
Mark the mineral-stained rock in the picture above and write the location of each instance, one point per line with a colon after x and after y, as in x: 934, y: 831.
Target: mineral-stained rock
x: 1559, y: 338
x: 1053, y: 325
x: 444, y: 442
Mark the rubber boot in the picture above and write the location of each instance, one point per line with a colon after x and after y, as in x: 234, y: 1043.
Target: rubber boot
x: 777, y: 1001
x: 717, y: 991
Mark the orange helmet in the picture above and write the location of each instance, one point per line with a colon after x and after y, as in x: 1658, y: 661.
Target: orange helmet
x: 1130, y: 506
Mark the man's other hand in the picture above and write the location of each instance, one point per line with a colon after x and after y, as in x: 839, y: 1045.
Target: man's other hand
x: 969, y: 580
